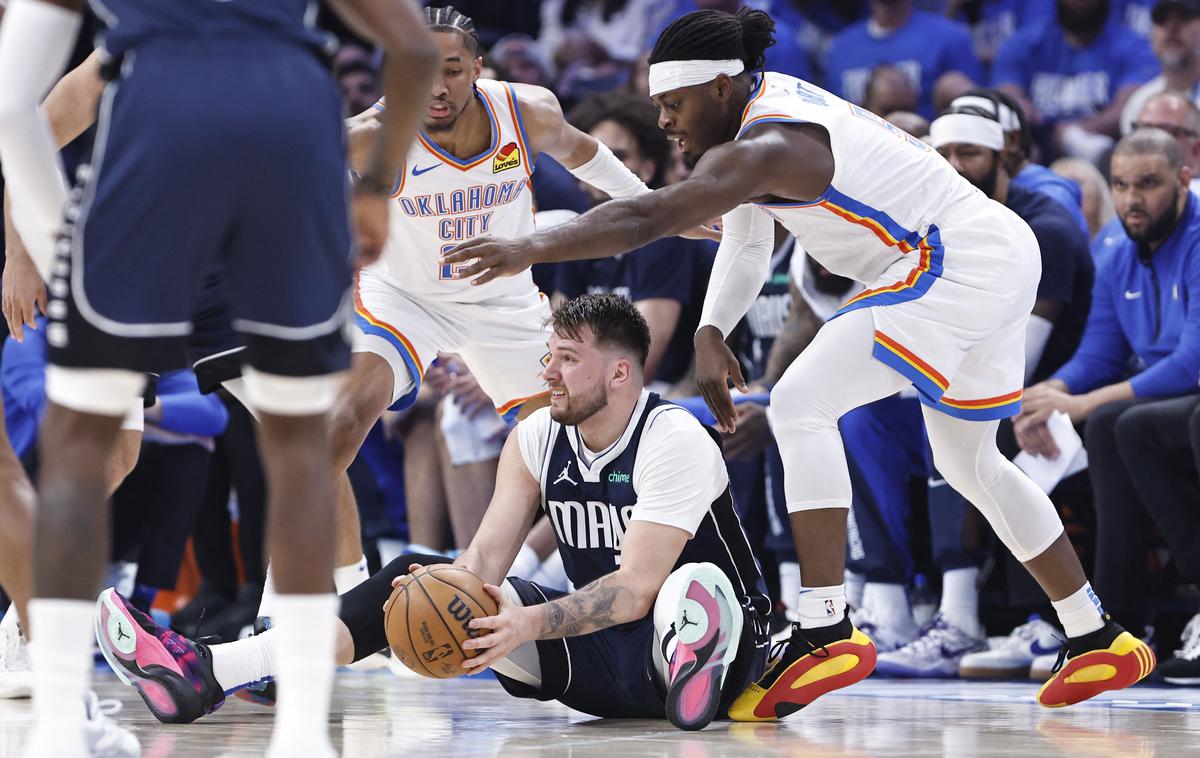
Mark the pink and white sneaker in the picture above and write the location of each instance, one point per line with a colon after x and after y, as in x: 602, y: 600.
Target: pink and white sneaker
x: 173, y: 674
x: 708, y: 627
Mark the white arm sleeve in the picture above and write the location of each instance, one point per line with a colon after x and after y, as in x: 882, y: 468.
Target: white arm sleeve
x: 1037, y: 334
x: 609, y: 175
x: 743, y: 260
x: 679, y: 471
x: 36, y: 39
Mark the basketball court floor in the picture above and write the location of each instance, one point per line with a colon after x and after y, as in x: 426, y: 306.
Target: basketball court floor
x: 378, y: 714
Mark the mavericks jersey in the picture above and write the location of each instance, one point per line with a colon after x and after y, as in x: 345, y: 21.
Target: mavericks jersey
x: 441, y: 201
x: 888, y: 187
x: 131, y: 22
x: 664, y: 468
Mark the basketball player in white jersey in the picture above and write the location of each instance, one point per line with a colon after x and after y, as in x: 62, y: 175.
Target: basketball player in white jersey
x: 951, y: 279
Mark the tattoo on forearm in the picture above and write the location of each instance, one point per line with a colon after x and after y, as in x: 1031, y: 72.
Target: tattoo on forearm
x: 592, y: 608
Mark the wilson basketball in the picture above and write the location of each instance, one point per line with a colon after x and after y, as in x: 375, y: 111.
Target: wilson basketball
x: 428, y: 615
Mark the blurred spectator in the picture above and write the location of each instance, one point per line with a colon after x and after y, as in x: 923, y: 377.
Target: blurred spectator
x: 816, y: 23
x: 1018, y: 141
x: 658, y: 278
x: 596, y: 30
x: 356, y: 73
x: 922, y: 45
x: 994, y: 21
x: 496, y: 18
x: 1175, y: 39
x: 517, y: 58
x: 889, y: 89
x: 948, y: 88
x: 1073, y: 75
x: 1178, y: 116
x: 909, y: 122
x: 1144, y: 315
x: 1097, y: 205
x: 787, y: 56
x: 1136, y: 14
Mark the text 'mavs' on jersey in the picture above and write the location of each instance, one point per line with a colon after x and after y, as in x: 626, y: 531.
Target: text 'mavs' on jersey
x: 441, y: 201
x: 131, y: 23
x: 665, y: 468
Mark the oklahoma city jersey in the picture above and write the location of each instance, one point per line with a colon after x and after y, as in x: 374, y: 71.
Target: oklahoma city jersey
x: 957, y: 271
x: 441, y: 201
x: 890, y: 186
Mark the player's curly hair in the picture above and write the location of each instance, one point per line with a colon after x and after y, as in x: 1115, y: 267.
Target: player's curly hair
x: 717, y: 35
x: 447, y: 19
x: 612, y: 319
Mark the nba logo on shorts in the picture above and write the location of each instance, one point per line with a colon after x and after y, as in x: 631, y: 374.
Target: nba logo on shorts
x: 829, y: 609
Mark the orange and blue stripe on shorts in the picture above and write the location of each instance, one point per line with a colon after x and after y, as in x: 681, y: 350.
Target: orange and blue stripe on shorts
x: 369, y: 324
x: 509, y: 410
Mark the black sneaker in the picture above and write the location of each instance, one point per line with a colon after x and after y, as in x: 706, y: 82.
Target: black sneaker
x: 1183, y: 667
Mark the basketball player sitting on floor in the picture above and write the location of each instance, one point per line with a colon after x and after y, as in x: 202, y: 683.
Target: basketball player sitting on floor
x: 671, y: 615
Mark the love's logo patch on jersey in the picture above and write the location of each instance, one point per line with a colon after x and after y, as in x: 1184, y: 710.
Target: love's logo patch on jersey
x: 508, y: 157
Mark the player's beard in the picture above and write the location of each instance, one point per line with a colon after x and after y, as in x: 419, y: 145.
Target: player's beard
x: 987, y: 185
x: 580, y: 407
x: 1159, y: 228
x: 1089, y: 22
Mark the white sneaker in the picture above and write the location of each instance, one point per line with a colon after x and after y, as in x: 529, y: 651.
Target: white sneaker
x: 935, y: 653
x: 105, y: 738
x: 1183, y: 668
x: 100, y: 737
x: 1013, y: 656
x: 16, y: 677
x: 887, y: 637
x: 1042, y: 667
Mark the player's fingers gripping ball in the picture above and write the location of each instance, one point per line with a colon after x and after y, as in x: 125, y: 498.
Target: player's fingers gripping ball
x: 428, y: 618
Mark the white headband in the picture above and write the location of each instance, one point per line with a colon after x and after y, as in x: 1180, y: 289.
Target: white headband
x: 670, y: 75
x: 1008, y: 119
x: 966, y: 129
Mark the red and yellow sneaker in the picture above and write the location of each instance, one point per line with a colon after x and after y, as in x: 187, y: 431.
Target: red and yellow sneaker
x: 815, y: 661
x: 1109, y: 659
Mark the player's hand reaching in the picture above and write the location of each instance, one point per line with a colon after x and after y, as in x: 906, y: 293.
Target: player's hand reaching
x: 715, y: 366
x: 488, y: 258
x: 511, y: 627
x: 370, y: 214
x: 24, y: 292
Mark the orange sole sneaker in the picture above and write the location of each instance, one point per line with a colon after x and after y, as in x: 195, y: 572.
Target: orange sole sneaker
x: 806, y: 679
x: 1125, y: 662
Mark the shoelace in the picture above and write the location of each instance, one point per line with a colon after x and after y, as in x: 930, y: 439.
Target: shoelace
x: 930, y: 637
x: 1022, y: 634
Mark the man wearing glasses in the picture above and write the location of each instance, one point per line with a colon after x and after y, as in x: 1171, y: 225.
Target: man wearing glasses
x: 1178, y: 116
x: 1175, y: 39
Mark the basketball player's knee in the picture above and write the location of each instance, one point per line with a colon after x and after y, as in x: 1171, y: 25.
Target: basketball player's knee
x: 967, y: 471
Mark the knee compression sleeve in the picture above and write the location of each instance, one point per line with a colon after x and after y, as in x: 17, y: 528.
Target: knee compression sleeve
x: 362, y: 607
x: 965, y: 453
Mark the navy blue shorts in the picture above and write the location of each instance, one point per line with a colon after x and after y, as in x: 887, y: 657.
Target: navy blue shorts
x: 215, y: 349
x: 210, y: 154
x: 610, y: 673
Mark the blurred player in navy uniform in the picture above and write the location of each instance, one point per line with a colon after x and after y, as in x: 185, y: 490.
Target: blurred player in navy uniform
x: 670, y: 617
x: 220, y: 138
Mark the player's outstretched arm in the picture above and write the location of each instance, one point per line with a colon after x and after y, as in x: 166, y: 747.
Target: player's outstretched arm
x: 774, y: 161
x: 723, y: 179
x: 648, y: 554
x: 507, y: 520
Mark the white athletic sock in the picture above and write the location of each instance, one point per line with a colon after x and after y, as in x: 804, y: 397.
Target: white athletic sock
x: 855, y: 584
x: 246, y: 661
x: 888, y: 604
x: 346, y: 578
x: 821, y: 606
x: 960, y: 599
x: 267, y: 602
x: 61, y: 655
x: 789, y: 586
x: 1079, y: 613
x: 303, y: 656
